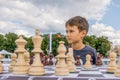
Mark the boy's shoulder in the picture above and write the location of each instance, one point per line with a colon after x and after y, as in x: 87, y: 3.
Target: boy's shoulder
x: 90, y: 48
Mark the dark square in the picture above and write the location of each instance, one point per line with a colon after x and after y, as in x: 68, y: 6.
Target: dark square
x: 108, y: 79
x: 45, y: 78
x: 89, y: 70
x: 49, y: 74
x: 17, y: 78
x: 90, y: 75
x: 75, y: 72
x: 75, y: 79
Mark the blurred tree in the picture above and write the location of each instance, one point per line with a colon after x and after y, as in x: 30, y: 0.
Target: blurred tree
x: 1, y: 41
x: 9, y: 42
x: 102, y: 45
x: 45, y: 43
x: 90, y: 40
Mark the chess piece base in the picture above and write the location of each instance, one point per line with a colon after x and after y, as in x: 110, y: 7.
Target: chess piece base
x: 111, y: 69
x: 61, y: 71
x: 117, y: 73
x: 36, y: 70
x: 11, y: 68
x: 20, y: 69
x: 72, y: 69
x: 87, y: 67
x: 1, y: 70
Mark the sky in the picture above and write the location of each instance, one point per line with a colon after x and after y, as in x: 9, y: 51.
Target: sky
x: 24, y: 16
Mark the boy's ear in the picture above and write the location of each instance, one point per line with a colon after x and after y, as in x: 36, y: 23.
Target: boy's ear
x: 84, y: 33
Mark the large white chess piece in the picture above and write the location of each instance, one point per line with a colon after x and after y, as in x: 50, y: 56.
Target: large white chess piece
x: 61, y: 66
x: 112, y: 65
x: 117, y: 71
x: 88, y: 64
x: 1, y: 66
x: 21, y: 66
x: 13, y: 63
x: 37, y: 67
x: 71, y: 61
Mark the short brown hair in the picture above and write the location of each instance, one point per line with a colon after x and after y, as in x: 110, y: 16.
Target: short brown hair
x: 78, y: 21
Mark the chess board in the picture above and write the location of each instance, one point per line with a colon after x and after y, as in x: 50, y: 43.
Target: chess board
x: 97, y: 73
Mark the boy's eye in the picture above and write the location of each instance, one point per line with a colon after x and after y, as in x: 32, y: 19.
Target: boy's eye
x: 71, y: 31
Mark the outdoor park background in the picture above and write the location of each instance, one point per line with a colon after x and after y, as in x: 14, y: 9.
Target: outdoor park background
x: 22, y: 17
x: 7, y: 42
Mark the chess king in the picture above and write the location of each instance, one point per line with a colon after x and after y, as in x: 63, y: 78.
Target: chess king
x: 37, y: 67
x: 76, y: 30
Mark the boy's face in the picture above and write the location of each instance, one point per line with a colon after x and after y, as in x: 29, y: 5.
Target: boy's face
x: 73, y: 35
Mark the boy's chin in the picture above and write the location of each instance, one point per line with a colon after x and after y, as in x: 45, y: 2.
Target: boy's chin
x: 70, y: 42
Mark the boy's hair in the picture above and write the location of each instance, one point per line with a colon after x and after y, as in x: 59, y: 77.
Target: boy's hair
x: 78, y: 21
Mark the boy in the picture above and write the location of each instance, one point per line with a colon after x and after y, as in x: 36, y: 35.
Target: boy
x: 76, y: 30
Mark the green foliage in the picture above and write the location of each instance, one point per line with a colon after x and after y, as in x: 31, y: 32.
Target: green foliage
x: 9, y: 42
x: 1, y: 41
x: 102, y: 45
x: 91, y: 40
x: 45, y: 43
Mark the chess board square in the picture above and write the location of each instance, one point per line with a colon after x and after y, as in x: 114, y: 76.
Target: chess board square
x: 45, y: 78
x: 90, y: 75
x: 89, y: 70
x: 17, y: 78
x: 108, y: 79
x: 75, y: 79
x: 0, y: 76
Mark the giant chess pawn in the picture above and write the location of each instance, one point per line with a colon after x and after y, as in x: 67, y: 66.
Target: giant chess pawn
x: 88, y: 64
x: 99, y: 60
x: 37, y: 67
x: 50, y: 59
x: 78, y: 61
x: 21, y: 66
x: 117, y: 71
x: 27, y: 58
x: 13, y: 63
x: 61, y: 66
x: 70, y: 60
x: 112, y: 65
x: 1, y: 66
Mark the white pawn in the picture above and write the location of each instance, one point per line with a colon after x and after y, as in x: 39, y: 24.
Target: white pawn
x: 88, y: 64
x: 71, y: 61
x: 1, y: 66
x: 27, y: 57
x: 112, y: 65
x: 117, y: 71
x: 13, y: 58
